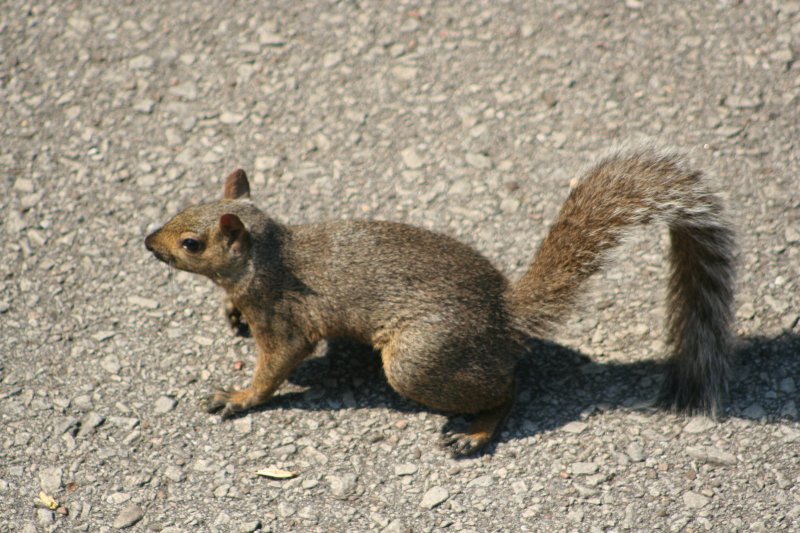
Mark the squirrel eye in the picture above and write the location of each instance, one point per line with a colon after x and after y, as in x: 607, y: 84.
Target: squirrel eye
x: 191, y: 245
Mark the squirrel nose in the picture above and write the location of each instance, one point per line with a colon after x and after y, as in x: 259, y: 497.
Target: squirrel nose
x: 148, y: 241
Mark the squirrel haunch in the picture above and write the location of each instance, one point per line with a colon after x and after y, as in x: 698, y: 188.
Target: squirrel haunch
x: 450, y: 328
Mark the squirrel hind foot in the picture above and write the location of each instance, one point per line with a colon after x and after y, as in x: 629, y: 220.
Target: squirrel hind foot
x: 483, y: 430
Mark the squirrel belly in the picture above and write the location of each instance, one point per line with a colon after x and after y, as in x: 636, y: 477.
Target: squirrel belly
x: 449, y: 326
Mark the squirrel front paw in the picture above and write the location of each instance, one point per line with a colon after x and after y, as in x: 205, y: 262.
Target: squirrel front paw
x: 225, y: 403
x: 235, y: 319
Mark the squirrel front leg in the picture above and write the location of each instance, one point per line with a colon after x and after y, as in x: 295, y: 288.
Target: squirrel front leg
x: 276, y: 360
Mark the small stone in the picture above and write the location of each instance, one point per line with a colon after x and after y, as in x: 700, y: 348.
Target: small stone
x: 404, y: 73
x: 411, y: 158
x: 45, y: 517
x: 396, y: 526
x: 186, y: 90
x: 479, y: 161
x: 266, y: 163
x: 792, y: 233
x: 128, y: 517
x: 433, y: 497
x: 481, y: 481
x: 243, y: 425
x: 283, y: 452
x: 231, y: 118
x: 90, y: 422
x: 174, y: 473
x: 51, y: 479
x: 110, y: 364
x: 145, y: 106
x: 342, y: 487
x: 743, y: 102
x: 141, y: 62
x: 164, y: 404
x: 584, y: 468
x: 405, y: 469
x: 693, y: 500
x: 68, y: 425
x: 331, y: 59
x: 285, y: 510
x: 271, y: 39
x: 787, y: 385
x: 575, y: 427
x: 23, y: 185
x: 222, y: 491
x: 754, y: 412
x: 708, y: 454
x: 698, y: 424
x: 635, y: 452
x: 250, y: 527
x: 103, y: 335
x: 146, y: 303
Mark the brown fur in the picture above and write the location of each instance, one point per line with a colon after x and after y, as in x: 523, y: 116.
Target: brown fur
x: 449, y: 326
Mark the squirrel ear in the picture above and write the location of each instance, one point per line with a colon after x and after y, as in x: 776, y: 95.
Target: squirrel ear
x: 231, y: 226
x: 236, y: 185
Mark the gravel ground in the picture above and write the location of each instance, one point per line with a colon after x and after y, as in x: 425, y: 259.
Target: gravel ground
x: 467, y: 118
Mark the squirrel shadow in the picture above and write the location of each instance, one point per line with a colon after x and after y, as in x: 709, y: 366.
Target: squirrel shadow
x: 556, y: 385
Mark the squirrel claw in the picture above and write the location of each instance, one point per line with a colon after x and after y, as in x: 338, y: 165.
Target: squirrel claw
x: 462, y: 444
x: 219, y: 401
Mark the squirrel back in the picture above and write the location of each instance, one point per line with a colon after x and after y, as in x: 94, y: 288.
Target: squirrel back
x: 635, y: 189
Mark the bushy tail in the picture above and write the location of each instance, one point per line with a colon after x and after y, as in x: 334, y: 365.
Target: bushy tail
x: 636, y: 189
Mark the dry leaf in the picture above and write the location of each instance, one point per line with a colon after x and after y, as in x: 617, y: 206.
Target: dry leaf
x: 48, y: 501
x: 276, y: 473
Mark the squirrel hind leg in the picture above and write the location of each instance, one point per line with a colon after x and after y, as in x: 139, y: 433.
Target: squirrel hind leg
x: 482, y: 431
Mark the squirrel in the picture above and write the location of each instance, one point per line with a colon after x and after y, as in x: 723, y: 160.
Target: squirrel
x: 450, y: 328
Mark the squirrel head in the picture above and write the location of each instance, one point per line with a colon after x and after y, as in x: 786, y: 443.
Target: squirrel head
x: 212, y: 239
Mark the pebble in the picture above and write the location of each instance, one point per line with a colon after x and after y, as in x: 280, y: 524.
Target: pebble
x: 103, y: 335
x: 142, y: 62
x: 693, y: 500
x: 754, y: 412
x: 411, y: 158
x: 698, y: 424
x: 787, y: 385
x: 396, y: 526
x: 186, y: 90
x: 481, y: 481
x: 635, y: 452
x: 584, y: 468
x: 128, y: 517
x: 90, y: 423
x: 743, y: 102
x: 174, y: 473
x: 404, y: 73
x: 331, y: 59
x: 110, y: 364
x: 144, y: 303
x: 266, y: 163
x: 708, y: 454
x: 51, y: 479
x: 249, y: 527
x: 243, y: 425
x: 164, y: 404
x: 405, y: 469
x: 342, y: 487
x: 433, y: 497
x: 45, y: 517
x: 479, y: 161
x: 145, y: 106
x: 575, y: 427
x: 231, y: 118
